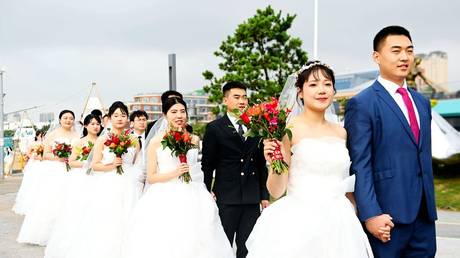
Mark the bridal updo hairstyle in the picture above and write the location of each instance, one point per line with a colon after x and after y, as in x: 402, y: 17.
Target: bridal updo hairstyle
x: 166, y: 105
x: 315, y: 67
x: 118, y: 105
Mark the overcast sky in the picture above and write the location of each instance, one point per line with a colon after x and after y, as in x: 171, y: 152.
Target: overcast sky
x: 53, y: 49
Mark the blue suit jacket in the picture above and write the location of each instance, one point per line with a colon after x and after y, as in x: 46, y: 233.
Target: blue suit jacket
x: 391, y: 169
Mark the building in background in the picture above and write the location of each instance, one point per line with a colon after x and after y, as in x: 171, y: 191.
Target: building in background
x: 198, y: 105
x: 46, y: 117
x: 349, y: 84
x: 435, y: 68
x: 351, y: 80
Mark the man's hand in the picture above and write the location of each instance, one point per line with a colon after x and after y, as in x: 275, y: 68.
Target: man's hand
x: 380, y: 227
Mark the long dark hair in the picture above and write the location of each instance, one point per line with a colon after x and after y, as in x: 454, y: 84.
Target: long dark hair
x: 88, y: 120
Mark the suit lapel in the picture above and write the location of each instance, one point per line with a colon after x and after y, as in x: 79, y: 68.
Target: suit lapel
x: 388, y: 99
x: 230, y: 129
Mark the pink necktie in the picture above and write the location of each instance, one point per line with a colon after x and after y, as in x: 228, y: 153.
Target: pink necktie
x: 410, y: 109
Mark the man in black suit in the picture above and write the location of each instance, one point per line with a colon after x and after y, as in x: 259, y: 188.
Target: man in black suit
x: 240, y: 170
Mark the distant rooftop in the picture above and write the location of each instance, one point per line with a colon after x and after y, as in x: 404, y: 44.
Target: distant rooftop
x: 351, y: 80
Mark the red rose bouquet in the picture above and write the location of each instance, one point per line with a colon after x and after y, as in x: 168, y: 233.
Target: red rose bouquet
x: 268, y: 121
x: 84, y: 151
x: 179, y: 141
x: 63, y: 150
x: 119, y: 144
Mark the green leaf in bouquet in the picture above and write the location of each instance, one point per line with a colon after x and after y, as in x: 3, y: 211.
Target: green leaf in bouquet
x: 289, y: 133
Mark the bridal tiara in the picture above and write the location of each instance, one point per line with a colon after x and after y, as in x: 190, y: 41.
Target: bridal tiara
x: 314, y: 63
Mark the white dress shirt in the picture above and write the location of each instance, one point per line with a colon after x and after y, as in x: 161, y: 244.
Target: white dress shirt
x: 392, y: 88
x: 234, y: 121
x: 142, y: 150
x: 142, y: 162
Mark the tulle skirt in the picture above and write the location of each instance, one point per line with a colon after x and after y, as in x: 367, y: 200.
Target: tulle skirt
x: 28, y: 189
x: 176, y: 220
x: 46, y: 205
x: 80, y: 190
x: 319, y: 227
x: 103, y: 224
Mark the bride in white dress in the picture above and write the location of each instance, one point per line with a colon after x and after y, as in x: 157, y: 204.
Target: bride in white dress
x: 113, y: 196
x: 315, y: 218
x: 79, y: 191
x: 29, y: 183
x: 41, y: 216
x: 174, y: 219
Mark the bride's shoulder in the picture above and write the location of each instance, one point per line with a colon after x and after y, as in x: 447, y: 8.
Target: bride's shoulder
x: 339, y: 131
x: 195, y: 139
x: 102, y: 138
x: 155, y: 142
x: 78, y: 142
x: 294, y: 122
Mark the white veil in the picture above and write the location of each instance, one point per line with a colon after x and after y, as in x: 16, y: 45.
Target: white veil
x: 87, y: 165
x: 160, y: 127
x: 289, y: 99
x: 55, y: 125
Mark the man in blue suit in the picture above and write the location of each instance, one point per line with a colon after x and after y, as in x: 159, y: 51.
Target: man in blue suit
x: 389, y: 139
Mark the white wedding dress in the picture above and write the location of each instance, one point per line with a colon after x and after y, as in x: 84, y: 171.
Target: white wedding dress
x: 80, y: 189
x: 29, y: 185
x: 103, y: 220
x: 175, y: 219
x: 314, y: 219
x: 47, y: 201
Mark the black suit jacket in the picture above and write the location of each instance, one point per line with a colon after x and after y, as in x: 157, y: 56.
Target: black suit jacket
x: 240, y: 166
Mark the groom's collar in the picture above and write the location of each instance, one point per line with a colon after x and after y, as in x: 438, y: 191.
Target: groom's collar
x: 390, y: 86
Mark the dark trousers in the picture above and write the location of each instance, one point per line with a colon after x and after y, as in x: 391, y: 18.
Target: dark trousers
x: 417, y: 239
x: 238, y: 220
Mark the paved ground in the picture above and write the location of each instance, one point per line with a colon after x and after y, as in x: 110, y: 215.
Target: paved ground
x: 448, y: 228
x: 10, y: 224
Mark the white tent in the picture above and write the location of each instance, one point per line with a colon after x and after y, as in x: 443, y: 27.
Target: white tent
x: 445, y: 140
x: 93, y: 101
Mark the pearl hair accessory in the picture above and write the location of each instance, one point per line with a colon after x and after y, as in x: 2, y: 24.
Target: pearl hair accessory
x: 314, y: 63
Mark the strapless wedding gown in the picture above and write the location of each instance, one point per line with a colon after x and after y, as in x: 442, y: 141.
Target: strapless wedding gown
x: 175, y: 219
x: 314, y: 219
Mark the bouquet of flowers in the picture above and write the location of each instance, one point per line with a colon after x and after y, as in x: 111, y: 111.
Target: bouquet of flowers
x: 84, y: 151
x: 38, y: 149
x: 63, y: 150
x: 119, y: 145
x: 268, y: 121
x: 179, y: 141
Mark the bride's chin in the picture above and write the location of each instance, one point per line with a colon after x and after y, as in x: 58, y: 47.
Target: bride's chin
x: 178, y: 124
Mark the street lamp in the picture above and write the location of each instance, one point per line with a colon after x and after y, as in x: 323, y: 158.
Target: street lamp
x: 315, y: 31
x: 2, y: 140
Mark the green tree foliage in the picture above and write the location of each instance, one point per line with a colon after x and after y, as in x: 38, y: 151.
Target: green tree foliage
x: 260, y: 53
